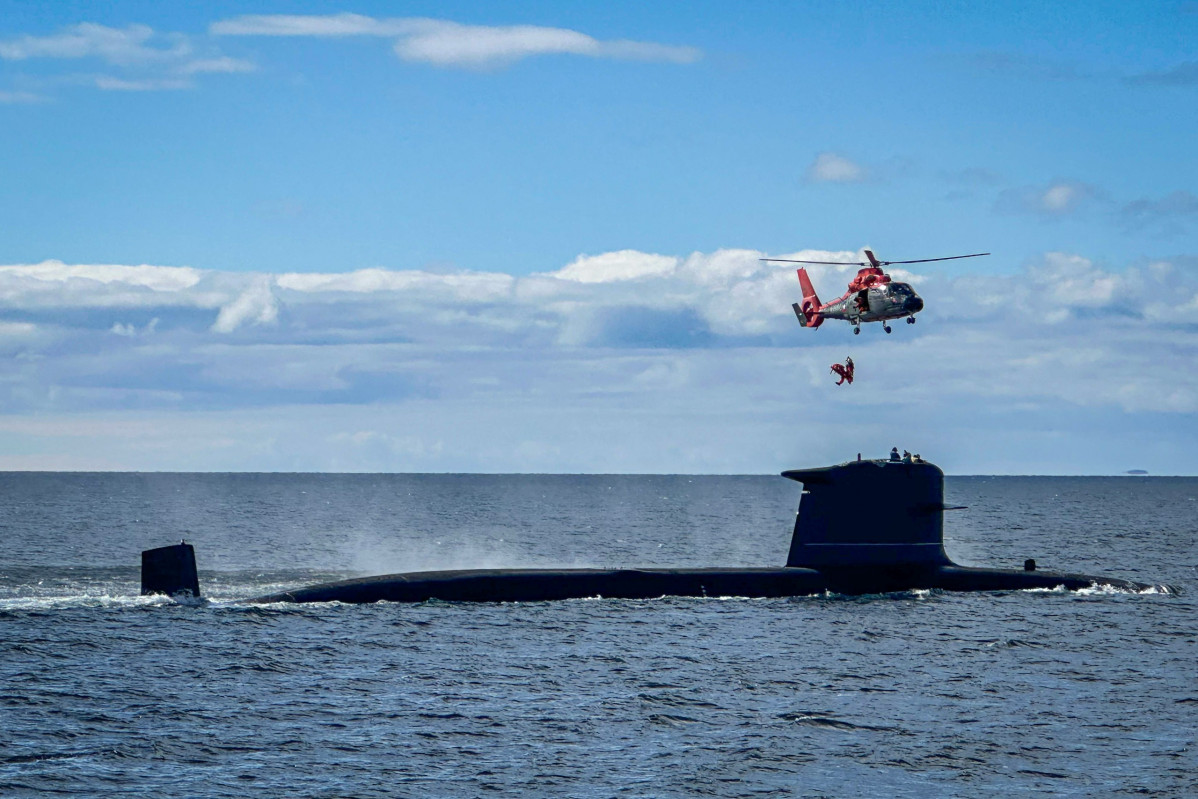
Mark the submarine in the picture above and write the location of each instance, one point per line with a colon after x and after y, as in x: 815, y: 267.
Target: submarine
x: 863, y: 527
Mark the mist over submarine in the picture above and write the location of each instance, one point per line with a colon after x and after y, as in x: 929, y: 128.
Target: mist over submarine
x: 863, y: 527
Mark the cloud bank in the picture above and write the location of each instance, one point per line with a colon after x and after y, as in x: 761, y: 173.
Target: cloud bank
x: 619, y: 361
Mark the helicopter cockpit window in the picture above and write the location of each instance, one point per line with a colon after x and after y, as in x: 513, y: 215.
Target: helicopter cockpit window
x: 900, y: 290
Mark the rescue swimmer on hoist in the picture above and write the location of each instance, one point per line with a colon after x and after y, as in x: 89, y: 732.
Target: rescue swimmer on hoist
x: 845, y: 371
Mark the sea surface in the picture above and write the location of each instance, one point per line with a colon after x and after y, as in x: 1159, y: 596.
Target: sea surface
x: 921, y: 694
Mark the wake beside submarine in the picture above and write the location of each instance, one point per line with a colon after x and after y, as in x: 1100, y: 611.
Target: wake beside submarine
x: 863, y: 527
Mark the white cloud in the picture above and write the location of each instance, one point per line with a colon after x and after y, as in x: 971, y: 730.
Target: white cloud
x: 833, y: 168
x: 113, y: 84
x: 256, y: 305
x: 449, y: 44
x: 1060, y: 197
x: 148, y: 60
x: 88, y: 40
x: 159, y: 278
x: 1073, y: 281
x: 616, y: 266
x: 13, y: 98
x: 140, y: 59
x: 452, y: 44
x: 1057, y: 199
x: 344, y: 24
x: 130, y: 329
x: 1063, y: 287
x: 619, y: 361
x: 469, y: 286
x: 54, y: 282
x: 16, y: 329
x: 215, y: 65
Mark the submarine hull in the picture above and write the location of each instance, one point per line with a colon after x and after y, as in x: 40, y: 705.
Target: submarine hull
x: 540, y: 585
x: 863, y: 527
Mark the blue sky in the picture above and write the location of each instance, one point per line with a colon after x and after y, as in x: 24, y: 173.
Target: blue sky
x: 524, y: 236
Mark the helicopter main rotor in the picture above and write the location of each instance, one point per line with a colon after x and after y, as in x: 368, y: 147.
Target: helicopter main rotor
x: 873, y: 261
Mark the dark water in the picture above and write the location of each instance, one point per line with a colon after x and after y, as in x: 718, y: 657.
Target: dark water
x: 103, y: 693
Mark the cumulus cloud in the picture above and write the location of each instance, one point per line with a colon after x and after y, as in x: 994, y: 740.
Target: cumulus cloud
x: 147, y: 60
x: 464, y: 286
x: 1064, y: 287
x: 615, y: 266
x: 451, y: 44
x: 613, y: 362
x: 832, y: 168
x: 55, y: 284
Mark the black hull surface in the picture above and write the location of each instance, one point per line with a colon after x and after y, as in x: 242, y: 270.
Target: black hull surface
x: 865, y: 527
x: 538, y: 585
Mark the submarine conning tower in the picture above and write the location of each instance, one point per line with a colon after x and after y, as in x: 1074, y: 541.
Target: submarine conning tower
x: 869, y: 513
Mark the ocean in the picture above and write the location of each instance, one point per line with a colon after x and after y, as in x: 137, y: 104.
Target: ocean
x: 106, y: 693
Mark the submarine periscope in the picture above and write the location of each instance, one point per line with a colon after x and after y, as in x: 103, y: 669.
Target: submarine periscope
x: 863, y: 527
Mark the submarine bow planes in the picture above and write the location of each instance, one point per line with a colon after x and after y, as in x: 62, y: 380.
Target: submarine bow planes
x: 863, y: 527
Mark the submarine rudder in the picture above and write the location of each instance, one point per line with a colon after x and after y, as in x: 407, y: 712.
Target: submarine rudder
x: 170, y: 570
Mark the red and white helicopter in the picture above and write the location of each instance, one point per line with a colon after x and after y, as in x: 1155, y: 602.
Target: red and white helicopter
x: 872, y: 295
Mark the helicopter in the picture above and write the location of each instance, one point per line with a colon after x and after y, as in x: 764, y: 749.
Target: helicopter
x: 872, y: 295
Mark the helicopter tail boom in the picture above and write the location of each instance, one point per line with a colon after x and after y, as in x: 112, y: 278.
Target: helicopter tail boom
x: 808, y: 310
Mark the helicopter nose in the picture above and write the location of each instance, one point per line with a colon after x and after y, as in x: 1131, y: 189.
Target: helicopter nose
x: 914, y: 305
